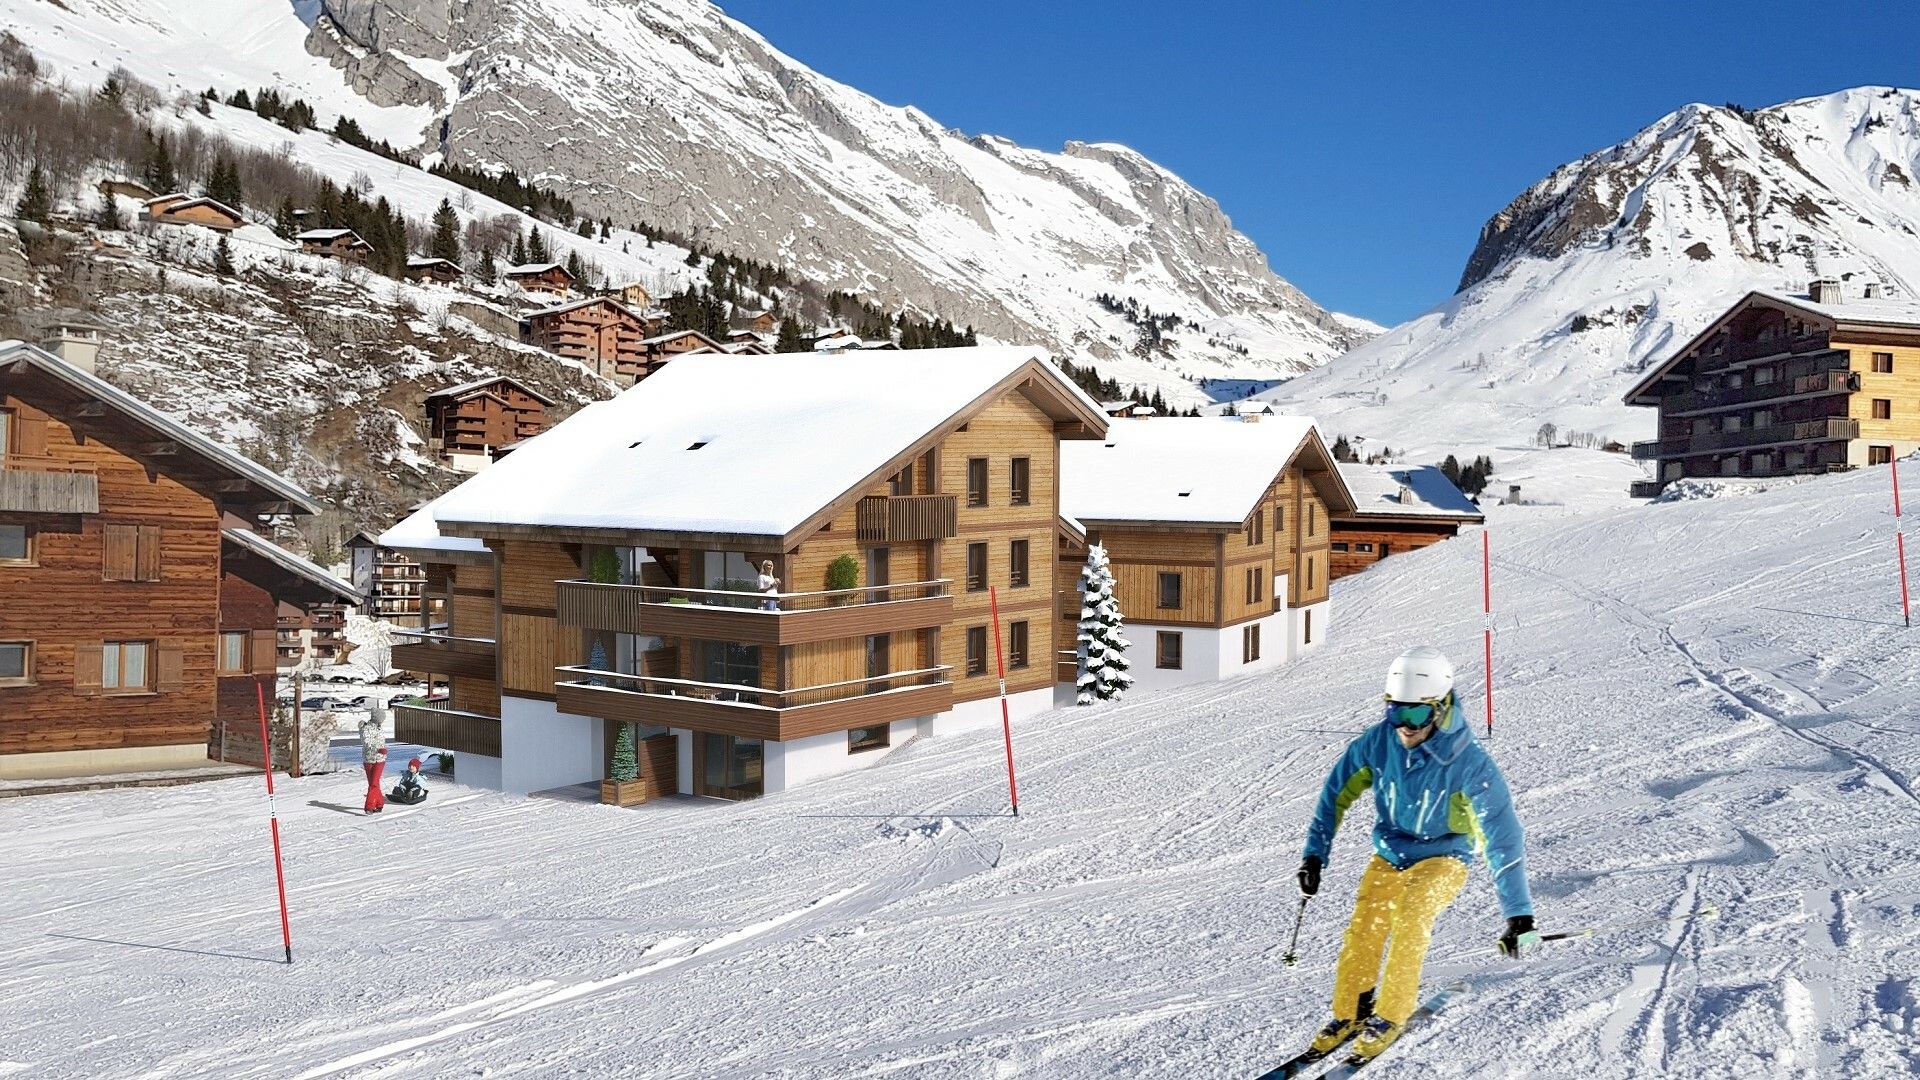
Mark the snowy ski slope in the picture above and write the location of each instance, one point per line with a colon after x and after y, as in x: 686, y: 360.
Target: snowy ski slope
x: 1705, y: 702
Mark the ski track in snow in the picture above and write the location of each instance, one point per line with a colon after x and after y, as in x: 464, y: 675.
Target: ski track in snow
x: 1690, y: 712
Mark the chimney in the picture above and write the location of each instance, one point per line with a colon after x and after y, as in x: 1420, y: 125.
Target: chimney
x: 1513, y: 494
x: 1824, y: 291
x: 1871, y: 291
x: 1406, y: 495
x: 76, y: 342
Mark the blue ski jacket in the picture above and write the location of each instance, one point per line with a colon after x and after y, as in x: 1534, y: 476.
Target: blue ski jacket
x: 1443, y: 797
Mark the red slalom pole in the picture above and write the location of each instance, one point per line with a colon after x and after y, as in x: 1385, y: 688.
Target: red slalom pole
x: 279, y: 874
x: 1006, y: 722
x: 1486, y: 607
x: 1900, y: 545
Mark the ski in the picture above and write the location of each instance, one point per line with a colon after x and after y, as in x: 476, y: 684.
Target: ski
x: 1297, y: 1065
x: 1435, y: 1002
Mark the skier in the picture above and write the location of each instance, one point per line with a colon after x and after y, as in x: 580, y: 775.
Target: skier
x: 410, y: 790
x: 373, y: 753
x: 1438, y: 797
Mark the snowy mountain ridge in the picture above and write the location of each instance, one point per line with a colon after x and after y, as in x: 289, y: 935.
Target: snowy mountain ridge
x: 1612, y: 260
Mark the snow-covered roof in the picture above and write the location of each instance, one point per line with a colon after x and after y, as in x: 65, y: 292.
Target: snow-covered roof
x: 673, y: 335
x: 171, y: 430
x: 561, y: 309
x: 740, y: 445
x: 530, y: 269
x: 321, y: 236
x: 286, y: 560
x: 1377, y: 492
x: 844, y: 341
x: 1203, y: 470
x: 416, y: 262
x: 1882, y: 310
x: 418, y: 532
x: 477, y: 384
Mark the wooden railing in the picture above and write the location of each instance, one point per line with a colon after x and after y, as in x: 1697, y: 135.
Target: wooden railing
x: 440, y: 653
x: 438, y: 724
x: 752, y: 697
x: 1826, y: 429
x: 1828, y: 376
x: 880, y: 519
x: 35, y: 485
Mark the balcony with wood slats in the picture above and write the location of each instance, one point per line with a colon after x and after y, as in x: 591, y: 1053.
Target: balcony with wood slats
x: 33, y: 485
x: 438, y: 724
x: 881, y: 519
x: 439, y: 653
x: 1801, y: 380
x: 750, y: 712
x: 1826, y: 429
x: 729, y: 615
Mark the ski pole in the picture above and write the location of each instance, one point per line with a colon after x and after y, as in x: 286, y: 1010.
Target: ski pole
x: 1708, y: 912
x: 1292, y: 958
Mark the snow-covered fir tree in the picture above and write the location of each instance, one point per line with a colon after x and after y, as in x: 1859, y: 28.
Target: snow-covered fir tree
x: 1103, y: 651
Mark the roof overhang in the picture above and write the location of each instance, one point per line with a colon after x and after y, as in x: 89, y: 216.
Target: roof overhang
x: 290, y: 578
x: 1642, y: 392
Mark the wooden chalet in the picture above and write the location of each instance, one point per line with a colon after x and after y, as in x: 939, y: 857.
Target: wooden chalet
x: 342, y: 244
x: 142, y: 606
x: 181, y: 209
x: 1396, y: 509
x: 466, y: 423
x: 441, y: 271
x: 765, y: 322
x: 547, y: 277
x: 130, y: 189
x: 634, y: 295
x: 606, y: 572
x: 660, y: 348
x: 1783, y: 384
x: 600, y: 332
x: 1217, y: 530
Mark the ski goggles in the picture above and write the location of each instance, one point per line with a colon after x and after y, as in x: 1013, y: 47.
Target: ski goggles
x: 1413, y: 714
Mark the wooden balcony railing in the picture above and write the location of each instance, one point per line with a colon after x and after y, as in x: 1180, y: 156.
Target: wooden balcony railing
x: 436, y: 723
x: 440, y: 653
x: 749, y: 711
x: 880, y: 519
x: 1802, y: 380
x: 1826, y: 429
x: 32, y: 485
x: 743, y: 616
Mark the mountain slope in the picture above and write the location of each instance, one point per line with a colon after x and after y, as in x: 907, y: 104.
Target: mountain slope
x: 1614, y: 259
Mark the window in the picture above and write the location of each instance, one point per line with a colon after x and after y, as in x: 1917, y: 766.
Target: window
x: 1256, y: 578
x: 1169, y: 590
x: 879, y: 661
x: 1882, y: 409
x: 976, y: 481
x: 130, y: 553
x: 1017, y: 645
x: 901, y: 484
x: 976, y: 651
x: 1363, y: 547
x: 16, y: 663
x: 1279, y: 519
x: 1017, y: 563
x: 1309, y: 573
x: 1250, y: 643
x: 863, y: 739
x: 1879, y: 455
x: 1257, y: 528
x: 1313, y: 519
x: 1762, y: 376
x: 6, y: 433
x: 16, y: 544
x: 1166, y: 650
x: 233, y: 652
x: 731, y: 663
x: 976, y: 567
x: 1339, y: 545
x: 1306, y: 628
x: 1883, y: 363
x: 124, y: 667
x: 1017, y: 489
x: 879, y: 572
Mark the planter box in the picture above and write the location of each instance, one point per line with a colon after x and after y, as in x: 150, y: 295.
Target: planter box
x: 624, y: 792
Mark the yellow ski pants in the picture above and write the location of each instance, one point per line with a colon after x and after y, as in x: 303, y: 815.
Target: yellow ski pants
x: 1401, y: 905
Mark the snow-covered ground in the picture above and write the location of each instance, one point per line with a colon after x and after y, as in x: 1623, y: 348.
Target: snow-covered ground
x: 1710, y: 702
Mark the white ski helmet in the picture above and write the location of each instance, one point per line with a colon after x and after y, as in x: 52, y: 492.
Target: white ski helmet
x: 1421, y: 673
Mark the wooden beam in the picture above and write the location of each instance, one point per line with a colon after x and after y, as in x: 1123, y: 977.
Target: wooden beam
x: 90, y: 409
x: 231, y: 487
x: 160, y: 448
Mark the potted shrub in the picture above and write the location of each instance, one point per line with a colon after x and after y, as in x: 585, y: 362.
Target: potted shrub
x: 842, y: 573
x: 604, y: 567
x: 623, y: 786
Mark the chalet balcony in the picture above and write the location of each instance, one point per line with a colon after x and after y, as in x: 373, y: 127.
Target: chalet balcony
x: 440, y: 653
x: 749, y: 712
x: 1802, y: 382
x: 435, y: 722
x: 43, y: 486
x: 1828, y: 429
x: 727, y: 615
x: 881, y: 519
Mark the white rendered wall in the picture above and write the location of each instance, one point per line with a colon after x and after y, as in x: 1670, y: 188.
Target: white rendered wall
x: 683, y: 760
x: 1202, y: 651
x: 542, y: 747
x: 1296, y: 625
x: 476, y: 771
x: 970, y: 715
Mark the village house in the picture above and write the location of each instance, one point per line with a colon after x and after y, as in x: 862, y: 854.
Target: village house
x: 143, y: 601
x: 394, y: 587
x: 634, y: 295
x: 764, y: 322
x: 1780, y: 385
x: 342, y: 244
x: 440, y: 271
x: 1396, y: 509
x: 600, y: 332
x: 467, y: 423
x: 547, y: 277
x: 607, y: 572
x: 660, y: 348
x: 181, y: 209
x: 316, y: 635
x: 1217, y: 531
x: 128, y: 189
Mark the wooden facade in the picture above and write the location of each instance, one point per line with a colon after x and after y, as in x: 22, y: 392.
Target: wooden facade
x: 342, y: 244
x: 477, y: 418
x: 602, y: 333
x: 1358, y: 543
x: 551, y: 278
x: 442, y: 271
x: 1782, y: 385
x: 186, y: 210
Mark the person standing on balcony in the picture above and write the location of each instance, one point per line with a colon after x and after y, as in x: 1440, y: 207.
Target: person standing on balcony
x: 769, y: 587
x: 373, y: 753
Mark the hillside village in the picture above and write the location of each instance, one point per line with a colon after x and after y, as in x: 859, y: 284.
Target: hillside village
x: 728, y: 614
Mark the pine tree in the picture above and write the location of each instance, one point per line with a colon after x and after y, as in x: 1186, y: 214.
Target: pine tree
x: 519, y: 250
x: 488, y: 272
x: 158, y: 172
x: 626, y: 765
x: 223, y: 257
x: 36, y: 203
x: 536, y: 245
x: 792, y: 339
x: 1450, y: 469
x: 446, y: 234
x: 1103, y: 651
x: 575, y: 267
x: 109, y: 217
x: 223, y: 182
x: 285, y: 223
x: 597, y: 660
x: 112, y: 90
x: 240, y: 100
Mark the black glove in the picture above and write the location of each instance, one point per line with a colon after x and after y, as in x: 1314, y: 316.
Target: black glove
x: 1519, y: 938
x: 1309, y: 875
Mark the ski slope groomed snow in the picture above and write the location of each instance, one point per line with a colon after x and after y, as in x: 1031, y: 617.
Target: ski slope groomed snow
x: 1705, y: 703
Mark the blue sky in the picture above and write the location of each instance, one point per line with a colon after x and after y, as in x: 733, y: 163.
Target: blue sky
x: 1362, y: 145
